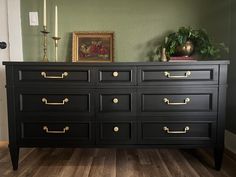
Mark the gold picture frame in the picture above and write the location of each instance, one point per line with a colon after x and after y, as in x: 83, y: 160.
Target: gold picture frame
x: 93, y: 47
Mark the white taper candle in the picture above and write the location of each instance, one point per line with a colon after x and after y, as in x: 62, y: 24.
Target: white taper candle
x: 45, y: 13
x: 56, y: 22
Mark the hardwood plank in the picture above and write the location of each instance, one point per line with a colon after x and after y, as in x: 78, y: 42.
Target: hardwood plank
x: 29, y: 165
x: 50, y: 162
x: 207, y: 161
x: 196, y: 164
x: 85, y: 162
x: 183, y: 163
x: 3, y: 150
x: 148, y: 161
x: 109, y: 169
x: 171, y: 163
x: 157, y: 160
x: 228, y: 167
x: 70, y: 167
x: 143, y: 156
x: 128, y: 163
x: 97, y: 164
x: 230, y: 154
x: 54, y: 162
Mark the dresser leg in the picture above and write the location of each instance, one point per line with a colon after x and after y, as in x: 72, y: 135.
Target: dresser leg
x: 14, y: 152
x: 218, y: 153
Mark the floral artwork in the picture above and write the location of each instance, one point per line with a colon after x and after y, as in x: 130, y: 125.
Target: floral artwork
x: 94, y: 48
x: 88, y: 46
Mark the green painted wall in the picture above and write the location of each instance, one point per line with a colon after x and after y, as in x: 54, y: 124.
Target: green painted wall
x: 217, y: 20
x: 138, y: 24
x: 231, y: 99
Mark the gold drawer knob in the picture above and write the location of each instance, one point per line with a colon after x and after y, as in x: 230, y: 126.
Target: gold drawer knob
x: 115, y: 74
x: 115, y: 100
x: 116, y: 129
x: 167, y: 130
x: 45, y: 128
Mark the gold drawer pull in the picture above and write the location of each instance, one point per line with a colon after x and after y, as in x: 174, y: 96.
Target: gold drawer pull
x: 115, y: 74
x: 63, y: 75
x: 45, y: 101
x: 167, y: 101
x: 116, y: 129
x: 186, y: 74
x: 115, y: 100
x: 45, y: 128
x: 167, y: 130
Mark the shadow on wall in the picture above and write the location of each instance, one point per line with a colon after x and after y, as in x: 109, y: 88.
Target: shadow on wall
x: 3, y: 107
x: 69, y: 47
x: 148, y: 50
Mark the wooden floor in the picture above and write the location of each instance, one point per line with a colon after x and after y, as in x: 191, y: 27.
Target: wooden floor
x: 49, y: 162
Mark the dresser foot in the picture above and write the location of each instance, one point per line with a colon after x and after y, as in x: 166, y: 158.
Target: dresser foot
x: 218, y: 154
x: 14, y: 152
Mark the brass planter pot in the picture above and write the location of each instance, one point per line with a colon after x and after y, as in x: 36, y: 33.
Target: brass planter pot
x: 186, y: 49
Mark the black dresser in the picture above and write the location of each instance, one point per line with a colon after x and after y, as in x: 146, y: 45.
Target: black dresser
x: 140, y: 104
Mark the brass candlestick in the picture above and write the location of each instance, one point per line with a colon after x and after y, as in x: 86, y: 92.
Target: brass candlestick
x: 45, y: 43
x: 56, y: 39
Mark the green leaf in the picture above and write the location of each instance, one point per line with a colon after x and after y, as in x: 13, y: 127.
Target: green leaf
x: 199, y: 37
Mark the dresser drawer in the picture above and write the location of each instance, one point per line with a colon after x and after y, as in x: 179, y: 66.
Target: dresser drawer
x: 152, y: 132
x: 178, y: 99
x: 168, y: 75
x: 116, y: 76
x: 116, y: 132
x: 47, y: 100
x: 57, y: 131
x: 116, y: 101
x: 80, y: 75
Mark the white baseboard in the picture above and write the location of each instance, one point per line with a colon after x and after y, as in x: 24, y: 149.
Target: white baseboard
x: 3, y: 143
x: 230, y: 141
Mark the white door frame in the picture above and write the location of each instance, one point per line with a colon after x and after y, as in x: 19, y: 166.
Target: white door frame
x: 15, y: 53
x: 4, y: 54
x: 15, y: 32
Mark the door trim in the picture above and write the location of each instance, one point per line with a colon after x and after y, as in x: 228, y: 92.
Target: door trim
x: 14, y: 30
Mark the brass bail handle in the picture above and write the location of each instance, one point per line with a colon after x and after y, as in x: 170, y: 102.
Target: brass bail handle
x: 167, y: 101
x: 65, y: 129
x: 46, y: 76
x: 167, y: 130
x: 45, y: 101
x: 186, y: 74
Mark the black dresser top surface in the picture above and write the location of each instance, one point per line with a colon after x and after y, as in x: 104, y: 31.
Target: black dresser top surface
x: 36, y: 63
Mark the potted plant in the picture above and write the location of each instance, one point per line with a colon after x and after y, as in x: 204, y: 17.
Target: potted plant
x: 187, y: 41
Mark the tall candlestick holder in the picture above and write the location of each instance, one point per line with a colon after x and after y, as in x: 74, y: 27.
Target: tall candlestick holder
x: 45, y: 43
x: 56, y: 39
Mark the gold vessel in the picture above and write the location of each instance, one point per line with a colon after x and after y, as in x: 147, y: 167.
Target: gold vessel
x: 186, y: 49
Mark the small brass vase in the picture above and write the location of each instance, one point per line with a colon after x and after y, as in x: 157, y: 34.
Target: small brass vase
x: 186, y: 49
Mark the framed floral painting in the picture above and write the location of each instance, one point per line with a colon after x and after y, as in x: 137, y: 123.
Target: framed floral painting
x: 93, y: 47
